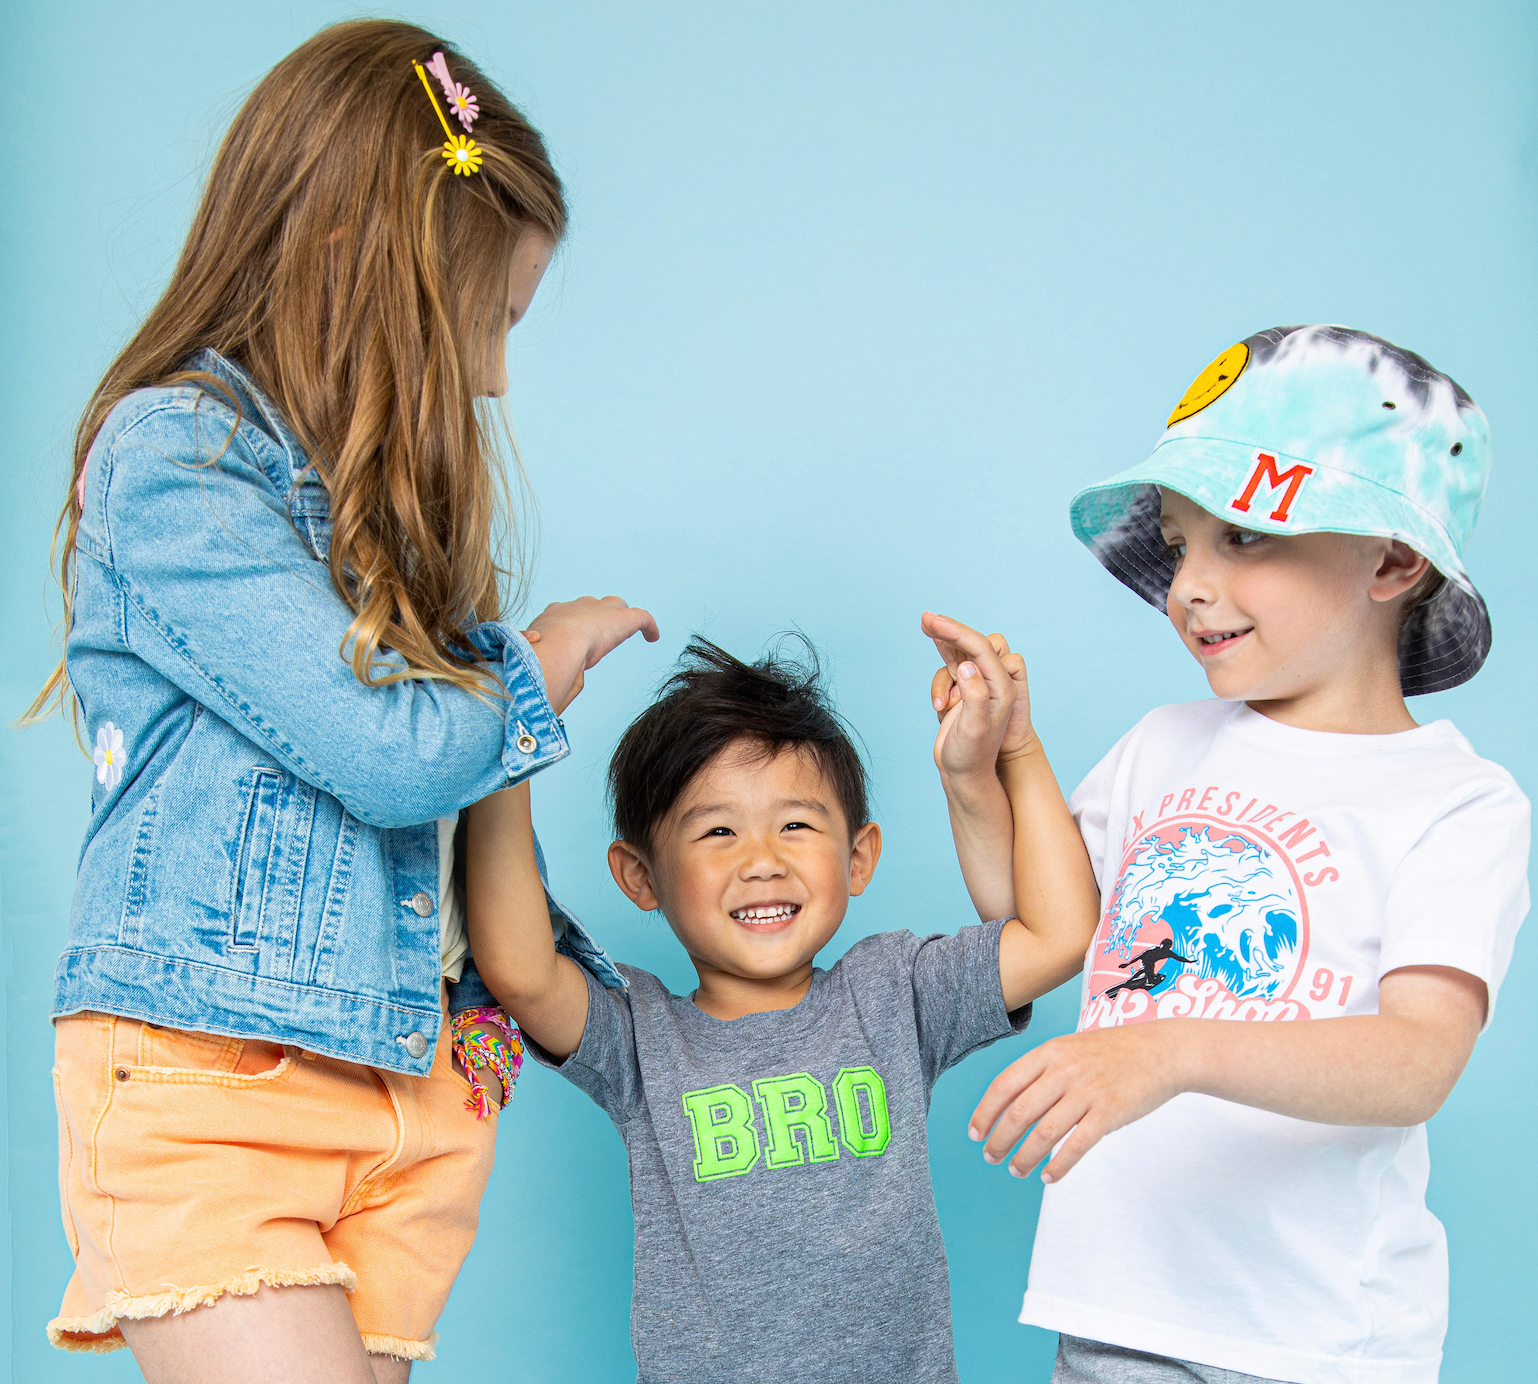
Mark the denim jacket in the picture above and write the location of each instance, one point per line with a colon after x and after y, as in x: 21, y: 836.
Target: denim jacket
x: 262, y: 856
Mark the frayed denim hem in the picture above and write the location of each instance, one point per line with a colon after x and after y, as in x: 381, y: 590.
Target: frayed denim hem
x: 99, y: 1332
x: 398, y: 1348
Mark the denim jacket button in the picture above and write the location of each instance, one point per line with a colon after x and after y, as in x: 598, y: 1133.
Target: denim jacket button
x: 416, y: 1044
x: 421, y: 905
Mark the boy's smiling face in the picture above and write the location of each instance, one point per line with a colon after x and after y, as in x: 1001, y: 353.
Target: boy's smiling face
x: 1277, y: 618
x: 753, y: 866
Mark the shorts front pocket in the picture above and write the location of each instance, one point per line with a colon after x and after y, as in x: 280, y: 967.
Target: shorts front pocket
x: 175, y: 1055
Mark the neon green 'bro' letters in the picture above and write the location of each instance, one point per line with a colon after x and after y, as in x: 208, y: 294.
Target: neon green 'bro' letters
x: 847, y: 1086
x: 790, y: 1103
x: 726, y: 1138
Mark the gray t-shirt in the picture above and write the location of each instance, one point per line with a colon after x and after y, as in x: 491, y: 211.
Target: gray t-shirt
x: 779, y: 1169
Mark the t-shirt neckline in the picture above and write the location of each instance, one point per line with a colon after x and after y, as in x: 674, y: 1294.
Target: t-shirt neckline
x: 1279, y: 736
x: 783, y: 1022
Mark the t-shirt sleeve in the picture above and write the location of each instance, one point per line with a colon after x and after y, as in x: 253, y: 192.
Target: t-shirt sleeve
x: 958, y: 999
x: 1459, y: 896
x: 1091, y: 801
x: 605, y: 1064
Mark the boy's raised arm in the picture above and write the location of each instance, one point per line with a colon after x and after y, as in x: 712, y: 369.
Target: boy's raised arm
x: 509, y: 925
x: 1019, y: 848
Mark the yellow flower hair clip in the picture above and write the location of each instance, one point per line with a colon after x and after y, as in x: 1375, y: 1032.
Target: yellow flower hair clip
x: 461, y: 152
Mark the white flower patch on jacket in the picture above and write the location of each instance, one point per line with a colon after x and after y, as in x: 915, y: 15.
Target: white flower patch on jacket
x: 109, y: 755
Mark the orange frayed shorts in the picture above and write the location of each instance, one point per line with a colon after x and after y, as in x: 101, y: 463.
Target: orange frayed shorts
x: 191, y: 1166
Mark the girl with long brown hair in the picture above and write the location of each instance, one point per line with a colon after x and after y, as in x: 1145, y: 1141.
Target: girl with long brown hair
x: 285, y: 642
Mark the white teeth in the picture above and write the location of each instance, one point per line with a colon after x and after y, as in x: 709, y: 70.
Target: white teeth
x: 1219, y: 638
x: 765, y: 914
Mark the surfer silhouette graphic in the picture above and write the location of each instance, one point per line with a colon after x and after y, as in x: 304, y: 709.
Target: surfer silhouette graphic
x: 1150, y: 975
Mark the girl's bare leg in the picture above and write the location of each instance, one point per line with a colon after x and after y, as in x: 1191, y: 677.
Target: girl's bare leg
x: 275, y: 1336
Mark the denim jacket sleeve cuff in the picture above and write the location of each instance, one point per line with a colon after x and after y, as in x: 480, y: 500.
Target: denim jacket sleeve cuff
x: 535, y: 736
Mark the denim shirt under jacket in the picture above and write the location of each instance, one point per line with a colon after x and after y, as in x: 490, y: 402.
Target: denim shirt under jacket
x: 262, y: 856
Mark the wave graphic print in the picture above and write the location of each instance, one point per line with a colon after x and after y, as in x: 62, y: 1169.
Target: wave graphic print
x: 1206, y: 919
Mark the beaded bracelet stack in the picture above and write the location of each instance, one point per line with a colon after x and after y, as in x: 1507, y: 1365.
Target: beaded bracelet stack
x: 500, y: 1050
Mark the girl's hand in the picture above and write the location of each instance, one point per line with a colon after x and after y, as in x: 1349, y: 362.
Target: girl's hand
x: 569, y: 637
x: 1007, y: 710
x: 1090, y: 1083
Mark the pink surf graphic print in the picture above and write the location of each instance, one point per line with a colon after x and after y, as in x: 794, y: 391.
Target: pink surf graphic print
x: 1207, y: 919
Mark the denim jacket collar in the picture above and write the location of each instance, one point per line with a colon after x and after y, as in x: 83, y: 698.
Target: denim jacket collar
x: 260, y: 410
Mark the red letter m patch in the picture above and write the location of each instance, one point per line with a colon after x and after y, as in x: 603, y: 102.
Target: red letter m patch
x: 1265, y: 470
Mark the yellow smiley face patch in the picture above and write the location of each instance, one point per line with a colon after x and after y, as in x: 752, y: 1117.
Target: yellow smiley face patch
x: 1207, y: 386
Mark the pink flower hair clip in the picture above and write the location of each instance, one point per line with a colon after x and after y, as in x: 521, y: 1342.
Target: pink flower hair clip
x: 461, y: 99
x: 462, y: 154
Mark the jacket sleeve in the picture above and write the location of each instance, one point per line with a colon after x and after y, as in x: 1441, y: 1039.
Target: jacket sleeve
x: 222, y: 597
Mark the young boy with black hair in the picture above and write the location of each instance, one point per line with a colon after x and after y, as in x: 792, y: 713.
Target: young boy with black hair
x: 1244, y: 1201
x: 775, y: 1118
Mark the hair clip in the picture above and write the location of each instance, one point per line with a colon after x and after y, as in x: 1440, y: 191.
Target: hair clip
x: 462, y: 153
x: 461, y: 101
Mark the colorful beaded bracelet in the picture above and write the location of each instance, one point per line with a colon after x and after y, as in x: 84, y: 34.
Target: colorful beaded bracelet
x: 501, y: 1051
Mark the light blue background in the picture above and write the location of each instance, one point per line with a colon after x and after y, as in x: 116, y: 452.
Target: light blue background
x: 855, y: 297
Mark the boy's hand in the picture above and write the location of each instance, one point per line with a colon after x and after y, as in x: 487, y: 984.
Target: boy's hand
x: 569, y: 637
x: 1090, y: 1083
x: 980, y: 696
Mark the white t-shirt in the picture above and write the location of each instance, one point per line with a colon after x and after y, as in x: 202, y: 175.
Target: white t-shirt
x: 453, y: 939
x: 1252, y: 871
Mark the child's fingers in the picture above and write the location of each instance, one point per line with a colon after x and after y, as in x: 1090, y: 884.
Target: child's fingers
x: 980, y: 649
x: 958, y: 642
x: 617, y: 624
x: 972, y: 686
x: 1086, y: 1134
x: 1054, y: 1125
x: 970, y: 728
x: 942, y: 689
x: 1027, y: 1109
x: 943, y: 629
x: 1003, y: 1091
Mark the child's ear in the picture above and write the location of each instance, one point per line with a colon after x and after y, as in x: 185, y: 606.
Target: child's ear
x: 864, y: 852
x: 1399, y: 568
x: 633, y: 875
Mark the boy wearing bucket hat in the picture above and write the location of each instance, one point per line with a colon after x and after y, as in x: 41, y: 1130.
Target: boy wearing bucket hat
x: 1245, y: 1200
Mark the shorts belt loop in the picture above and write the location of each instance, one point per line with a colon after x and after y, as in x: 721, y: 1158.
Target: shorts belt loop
x: 120, y: 1036
x: 125, y: 1043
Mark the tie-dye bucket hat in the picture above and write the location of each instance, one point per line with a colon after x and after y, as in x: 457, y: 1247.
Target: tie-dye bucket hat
x: 1319, y: 429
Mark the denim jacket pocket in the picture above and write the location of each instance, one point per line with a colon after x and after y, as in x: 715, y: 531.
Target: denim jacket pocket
x: 252, y: 860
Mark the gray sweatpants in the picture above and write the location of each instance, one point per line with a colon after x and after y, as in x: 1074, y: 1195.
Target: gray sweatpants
x: 1092, y: 1362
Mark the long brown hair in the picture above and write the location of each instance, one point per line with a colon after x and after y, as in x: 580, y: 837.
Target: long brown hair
x: 338, y: 259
